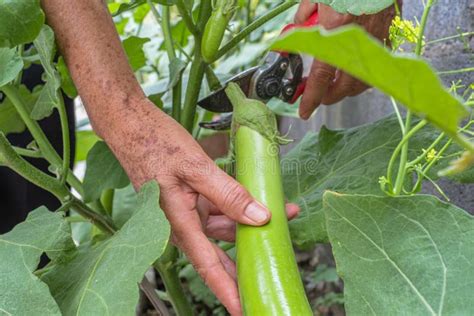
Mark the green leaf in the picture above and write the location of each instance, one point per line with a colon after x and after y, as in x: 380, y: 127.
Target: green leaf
x: 10, y: 120
x: 103, y: 172
x: 348, y: 161
x: 66, y: 81
x: 402, y: 256
x: 103, y: 279
x: 11, y: 65
x: 124, y: 205
x: 49, y: 96
x: 176, y: 68
x: 134, y: 49
x: 21, y: 292
x: 85, y: 140
x: 20, y: 21
x: 140, y: 13
x: 124, y: 7
x: 408, y: 79
x: 358, y: 7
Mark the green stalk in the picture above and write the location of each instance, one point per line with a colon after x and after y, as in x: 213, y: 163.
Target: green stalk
x: 253, y: 26
x: 424, y: 21
x: 456, y: 71
x: 66, y: 141
x: 47, y: 150
x: 166, y: 267
x: 28, y: 153
x: 450, y: 38
x: 404, y: 145
x: 403, y: 158
x: 196, y: 74
x: 166, y: 28
x: 98, y: 220
x: 267, y: 272
x: 397, y: 151
x: 11, y: 159
x: 187, y: 18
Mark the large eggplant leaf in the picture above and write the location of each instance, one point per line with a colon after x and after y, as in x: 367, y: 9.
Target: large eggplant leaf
x: 10, y: 65
x: 103, y: 279
x: 402, y: 256
x: 347, y: 161
x: 20, y: 21
x: 103, y: 172
x: 408, y: 79
x: 357, y: 7
x: 21, y: 292
x: 124, y: 205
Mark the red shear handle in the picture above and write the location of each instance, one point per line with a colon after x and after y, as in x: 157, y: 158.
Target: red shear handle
x: 313, y: 20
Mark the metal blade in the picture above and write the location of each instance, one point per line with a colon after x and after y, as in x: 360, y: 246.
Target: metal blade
x: 218, y: 101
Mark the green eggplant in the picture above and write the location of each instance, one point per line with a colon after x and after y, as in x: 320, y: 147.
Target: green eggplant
x: 268, y: 276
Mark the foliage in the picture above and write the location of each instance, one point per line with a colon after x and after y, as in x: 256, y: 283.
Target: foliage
x: 357, y: 7
x: 406, y: 240
x: 396, y: 250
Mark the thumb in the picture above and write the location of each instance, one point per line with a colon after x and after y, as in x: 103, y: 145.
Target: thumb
x: 230, y: 197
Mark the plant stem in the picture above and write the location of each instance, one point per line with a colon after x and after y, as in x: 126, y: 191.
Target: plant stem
x: 47, y: 150
x: 253, y: 26
x: 424, y: 20
x: 98, y: 220
x: 450, y: 38
x: 399, y: 116
x: 11, y: 159
x: 196, y: 74
x: 422, y: 156
x: 403, y: 158
x: 187, y: 18
x: 398, y: 149
x: 166, y: 27
x: 28, y: 153
x: 212, y: 80
x: 168, y: 271
x: 456, y: 71
x: 66, y: 141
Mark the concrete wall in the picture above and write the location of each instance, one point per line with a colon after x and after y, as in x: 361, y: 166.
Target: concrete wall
x: 446, y: 17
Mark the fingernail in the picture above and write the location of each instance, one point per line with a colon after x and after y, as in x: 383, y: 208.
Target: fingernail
x: 256, y: 213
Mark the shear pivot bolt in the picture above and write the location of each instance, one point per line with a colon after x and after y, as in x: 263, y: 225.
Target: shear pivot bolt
x: 289, y: 90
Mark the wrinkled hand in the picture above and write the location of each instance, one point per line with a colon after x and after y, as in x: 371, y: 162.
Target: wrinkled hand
x: 326, y: 84
x: 198, y: 198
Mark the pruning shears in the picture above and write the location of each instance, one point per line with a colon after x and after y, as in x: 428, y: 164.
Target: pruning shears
x: 280, y: 74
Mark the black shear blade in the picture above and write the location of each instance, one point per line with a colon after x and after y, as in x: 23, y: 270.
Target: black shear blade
x: 218, y: 101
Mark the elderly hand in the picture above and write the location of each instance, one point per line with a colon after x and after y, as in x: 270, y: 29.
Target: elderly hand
x: 326, y: 84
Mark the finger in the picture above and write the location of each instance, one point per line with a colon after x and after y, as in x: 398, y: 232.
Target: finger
x: 223, y: 228
x: 206, y: 206
x: 229, y: 196
x: 305, y: 10
x: 292, y: 210
x: 344, y: 86
x: 227, y: 262
x: 207, y: 263
x: 319, y: 80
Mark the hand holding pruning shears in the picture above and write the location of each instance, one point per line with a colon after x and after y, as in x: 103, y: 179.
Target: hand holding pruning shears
x: 326, y: 84
x: 283, y: 75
